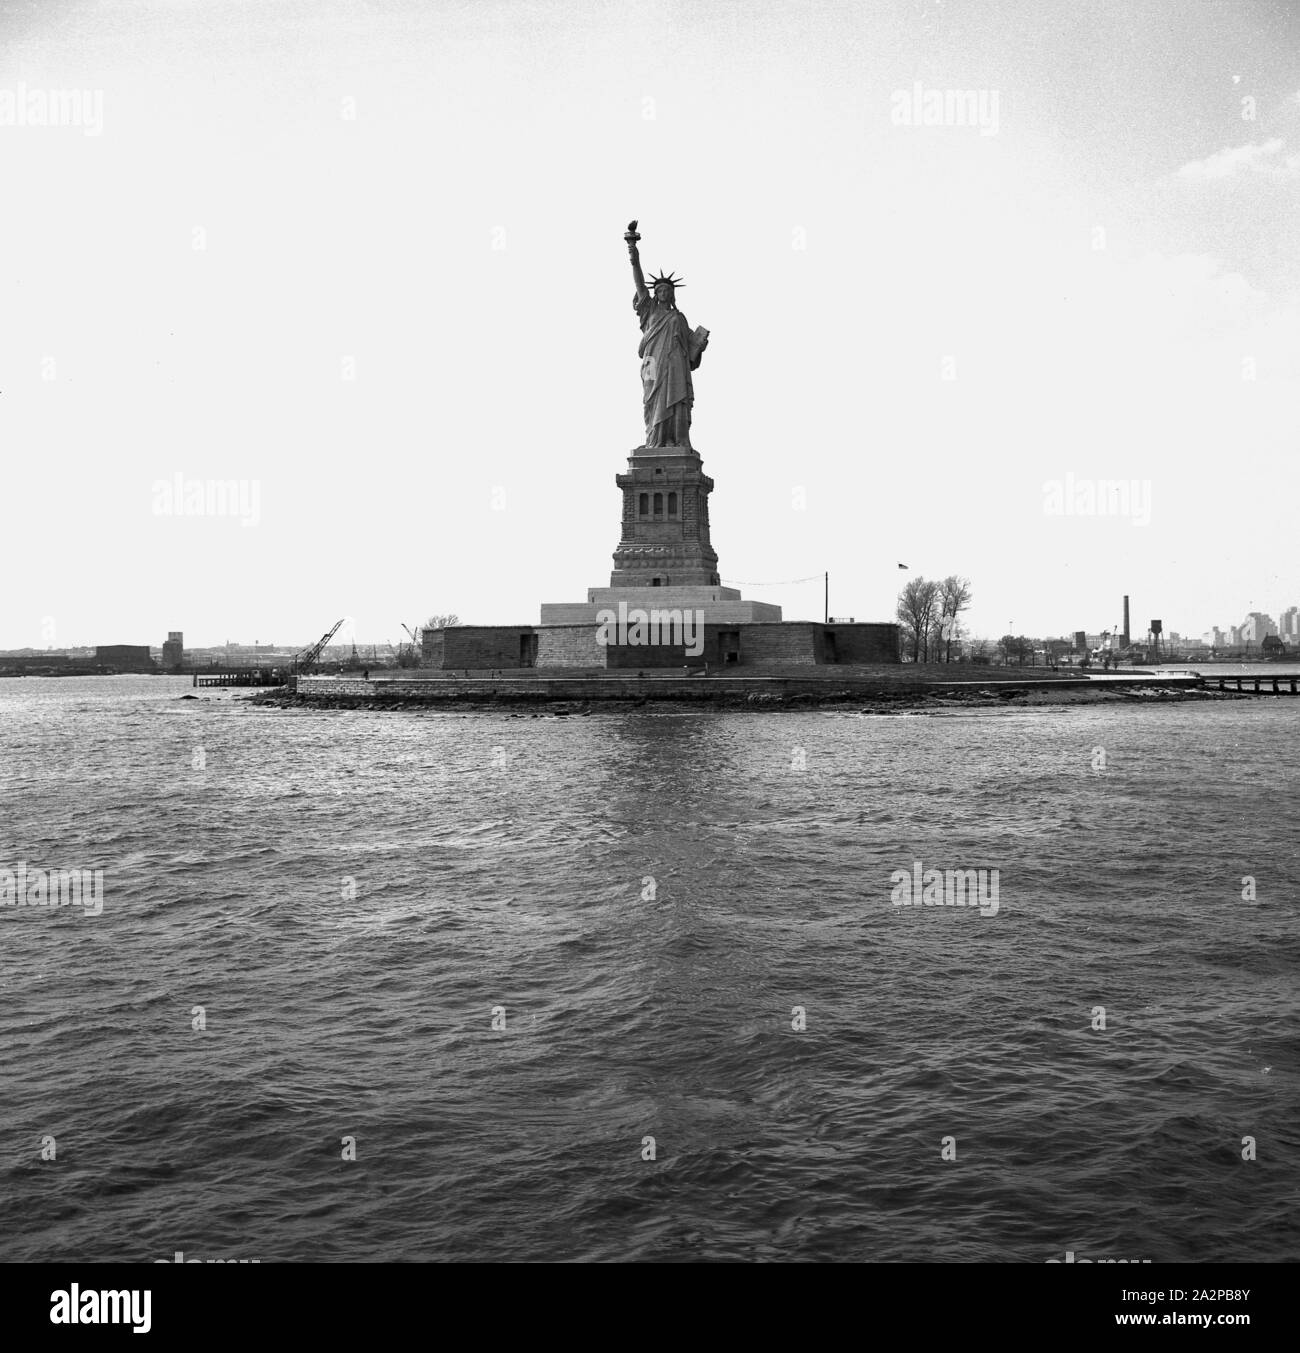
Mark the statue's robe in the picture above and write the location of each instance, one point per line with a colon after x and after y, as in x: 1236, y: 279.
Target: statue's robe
x: 669, y: 352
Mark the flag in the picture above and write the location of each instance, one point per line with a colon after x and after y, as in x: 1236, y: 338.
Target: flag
x: 902, y: 566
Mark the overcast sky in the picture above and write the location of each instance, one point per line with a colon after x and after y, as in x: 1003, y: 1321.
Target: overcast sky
x: 367, y: 260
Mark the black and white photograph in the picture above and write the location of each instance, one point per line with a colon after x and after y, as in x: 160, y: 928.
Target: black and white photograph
x: 659, y: 633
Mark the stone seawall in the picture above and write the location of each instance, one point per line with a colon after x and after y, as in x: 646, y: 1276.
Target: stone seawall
x: 891, y: 682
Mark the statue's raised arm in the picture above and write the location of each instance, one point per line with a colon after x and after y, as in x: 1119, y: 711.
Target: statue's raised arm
x: 630, y: 235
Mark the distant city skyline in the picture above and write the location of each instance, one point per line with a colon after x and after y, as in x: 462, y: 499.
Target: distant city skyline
x: 1254, y: 627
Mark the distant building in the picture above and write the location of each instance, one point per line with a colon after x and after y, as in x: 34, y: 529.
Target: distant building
x: 125, y: 657
x: 1289, y: 624
x: 173, y: 651
x: 1257, y: 627
x: 27, y: 660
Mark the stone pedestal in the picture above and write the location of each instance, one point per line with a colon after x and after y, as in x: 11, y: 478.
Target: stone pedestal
x: 665, y: 536
x: 664, y: 559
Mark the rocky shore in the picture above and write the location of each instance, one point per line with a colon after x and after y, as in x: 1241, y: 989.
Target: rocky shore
x: 882, y: 701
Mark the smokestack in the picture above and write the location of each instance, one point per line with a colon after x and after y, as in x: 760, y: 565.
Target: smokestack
x: 1126, y: 634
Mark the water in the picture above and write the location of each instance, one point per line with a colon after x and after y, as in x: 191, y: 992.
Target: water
x: 648, y: 895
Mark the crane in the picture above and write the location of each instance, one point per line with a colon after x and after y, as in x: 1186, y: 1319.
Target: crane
x: 414, y: 635
x: 308, y: 658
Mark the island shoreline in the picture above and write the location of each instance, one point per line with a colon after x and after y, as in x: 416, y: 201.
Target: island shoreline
x: 877, y: 701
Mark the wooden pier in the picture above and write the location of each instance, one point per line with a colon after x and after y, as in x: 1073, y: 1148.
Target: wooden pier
x: 241, y: 676
x: 1266, y: 683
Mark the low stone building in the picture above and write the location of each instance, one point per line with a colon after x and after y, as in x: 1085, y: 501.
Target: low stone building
x: 791, y: 643
x: 125, y: 657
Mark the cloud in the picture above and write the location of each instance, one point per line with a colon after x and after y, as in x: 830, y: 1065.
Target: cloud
x: 1266, y: 159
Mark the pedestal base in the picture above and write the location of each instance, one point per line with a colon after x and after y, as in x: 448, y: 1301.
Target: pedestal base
x: 716, y: 605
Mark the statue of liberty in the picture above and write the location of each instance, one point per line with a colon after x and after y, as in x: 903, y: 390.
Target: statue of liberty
x: 670, y: 350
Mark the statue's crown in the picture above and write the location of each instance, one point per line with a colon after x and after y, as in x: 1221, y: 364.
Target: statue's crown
x: 666, y: 277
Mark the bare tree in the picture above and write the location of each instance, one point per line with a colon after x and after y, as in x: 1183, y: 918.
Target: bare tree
x: 954, y: 598
x: 917, y: 604
x: 441, y: 622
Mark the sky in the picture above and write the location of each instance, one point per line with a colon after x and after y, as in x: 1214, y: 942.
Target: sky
x: 365, y: 261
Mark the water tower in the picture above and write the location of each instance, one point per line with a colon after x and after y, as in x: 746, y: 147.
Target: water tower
x: 1157, y: 628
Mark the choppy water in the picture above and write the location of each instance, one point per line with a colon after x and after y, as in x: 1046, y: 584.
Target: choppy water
x: 506, y: 861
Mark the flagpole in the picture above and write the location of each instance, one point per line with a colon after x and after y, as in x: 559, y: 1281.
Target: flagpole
x: 828, y: 596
